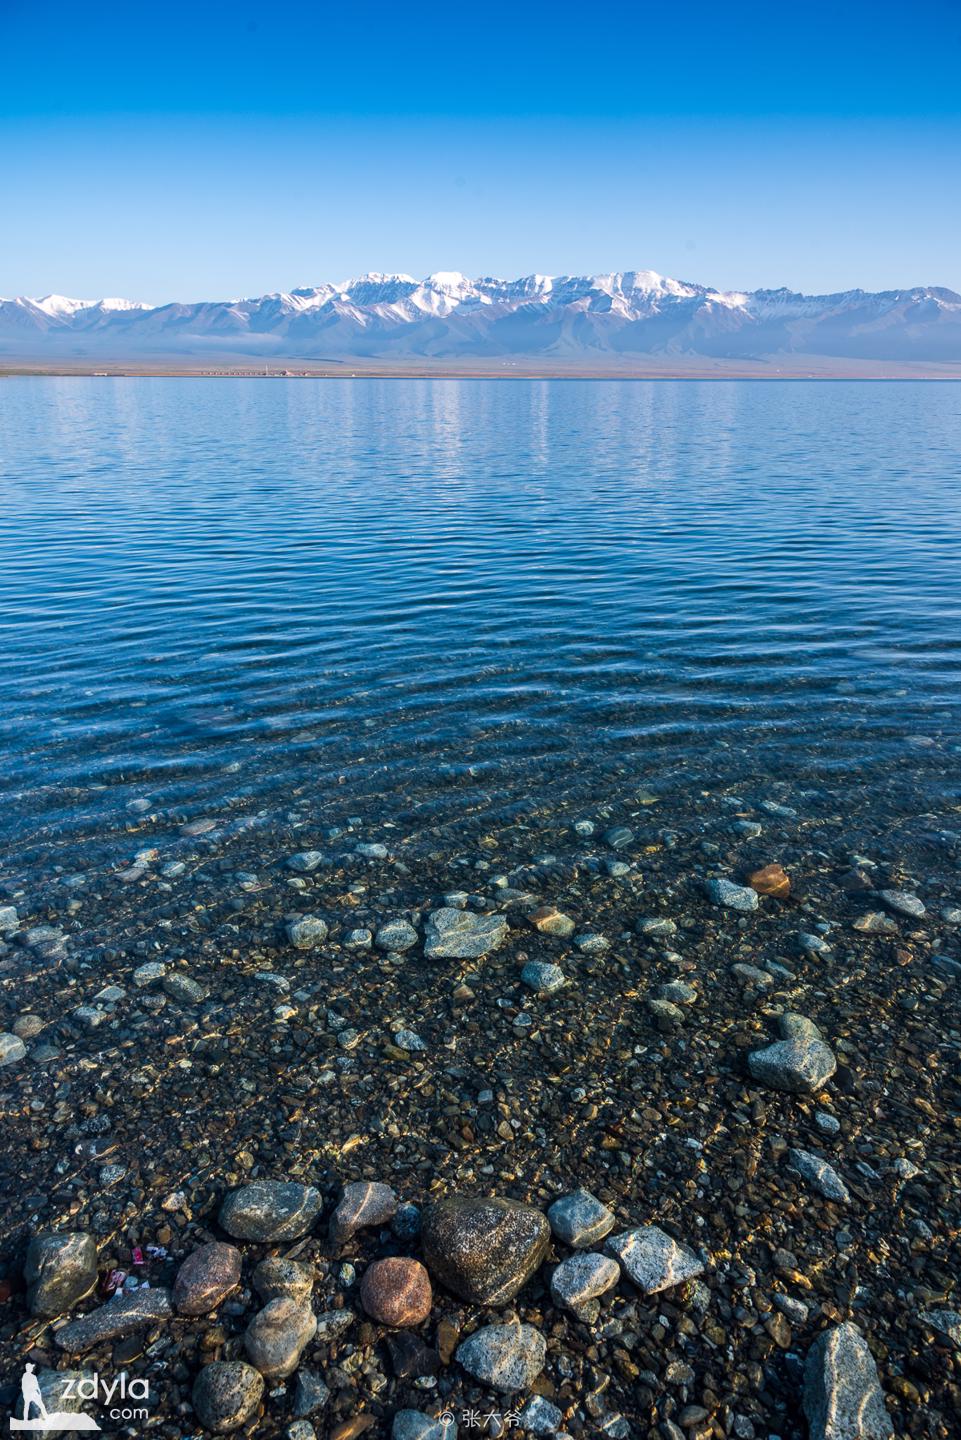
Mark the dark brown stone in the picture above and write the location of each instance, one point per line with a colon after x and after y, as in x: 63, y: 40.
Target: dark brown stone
x: 484, y: 1250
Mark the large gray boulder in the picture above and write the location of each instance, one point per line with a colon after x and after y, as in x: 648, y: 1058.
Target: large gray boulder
x: 462, y: 935
x: 484, y: 1250
x: 59, y: 1270
x: 843, y: 1399
x: 270, y: 1210
x: 800, y: 1063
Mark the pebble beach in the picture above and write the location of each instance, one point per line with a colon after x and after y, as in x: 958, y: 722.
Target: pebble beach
x: 237, y: 1097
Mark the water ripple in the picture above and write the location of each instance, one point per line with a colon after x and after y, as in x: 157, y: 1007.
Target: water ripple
x: 218, y: 587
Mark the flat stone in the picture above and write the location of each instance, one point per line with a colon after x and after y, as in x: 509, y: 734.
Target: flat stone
x: 842, y: 1396
x: 226, y: 1395
x: 580, y: 1219
x: 409, y: 1040
x: 582, y: 1278
x: 875, y: 922
x: 652, y: 1259
x: 551, y: 921
x: 59, y: 1271
x: 310, y: 1394
x: 770, y: 880
x: 540, y: 1417
x: 733, y: 897
x: 786, y: 812
x: 198, y: 827
x: 9, y: 919
x: 946, y: 1323
x: 656, y: 927
x: 902, y: 902
x: 810, y: 944
x: 484, y: 1250
x: 397, y: 935
x: 372, y: 850
x: 305, y: 861
x: 59, y: 1390
x: 618, y: 837
x: 149, y: 973
x: 396, y: 1291
x: 589, y: 942
x: 794, y: 1310
x: 270, y: 1210
x: 129, y: 1310
x: 678, y: 992
x: 821, y: 1176
x: 300, y: 1430
x: 183, y: 988
x: 752, y: 976
x: 543, y: 978
x: 275, y: 1278
x: 415, y: 1425
x: 277, y: 1336
x: 665, y: 1010
x: 505, y: 1357
x: 462, y: 935
x: 799, y: 1064
x: 307, y: 932
x: 12, y: 1049
x: 28, y: 1027
x: 206, y: 1278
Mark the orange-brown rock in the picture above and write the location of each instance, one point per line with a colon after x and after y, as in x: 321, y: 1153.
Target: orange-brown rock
x: 356, y: 1425
x: 396, y: 1291
x: 770, y: 880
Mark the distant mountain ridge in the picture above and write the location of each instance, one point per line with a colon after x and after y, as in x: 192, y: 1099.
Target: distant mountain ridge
x: 449, y: 317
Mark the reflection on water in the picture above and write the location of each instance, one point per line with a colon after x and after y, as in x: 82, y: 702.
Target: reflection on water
x: 453, y: 592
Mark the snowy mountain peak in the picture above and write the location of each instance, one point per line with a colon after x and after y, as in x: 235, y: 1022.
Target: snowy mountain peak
x: 449, y: 316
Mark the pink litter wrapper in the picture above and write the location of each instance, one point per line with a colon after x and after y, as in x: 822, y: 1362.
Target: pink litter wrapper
x: 137, y: 1256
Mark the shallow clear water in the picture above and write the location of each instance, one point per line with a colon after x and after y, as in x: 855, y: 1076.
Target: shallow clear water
x: 465, y: 593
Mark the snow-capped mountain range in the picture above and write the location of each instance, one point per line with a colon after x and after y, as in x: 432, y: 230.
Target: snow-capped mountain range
x: 449, y: 317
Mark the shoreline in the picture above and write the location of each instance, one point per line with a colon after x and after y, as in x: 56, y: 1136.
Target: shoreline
x: 769, y: 369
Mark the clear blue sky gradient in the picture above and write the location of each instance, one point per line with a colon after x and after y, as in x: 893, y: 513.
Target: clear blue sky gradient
x: 208, y: 151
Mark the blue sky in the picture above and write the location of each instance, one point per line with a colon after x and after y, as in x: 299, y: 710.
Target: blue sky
x: 205, y: 151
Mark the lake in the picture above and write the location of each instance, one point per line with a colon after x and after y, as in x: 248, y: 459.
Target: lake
x: 455, y: 592
x: 484, y: 789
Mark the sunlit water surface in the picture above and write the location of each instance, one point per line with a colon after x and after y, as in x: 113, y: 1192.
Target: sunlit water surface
x: 455, y: 594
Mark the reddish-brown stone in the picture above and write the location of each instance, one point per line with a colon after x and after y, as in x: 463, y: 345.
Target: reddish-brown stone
x: 770, y: 880
x: 396, y: 1292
